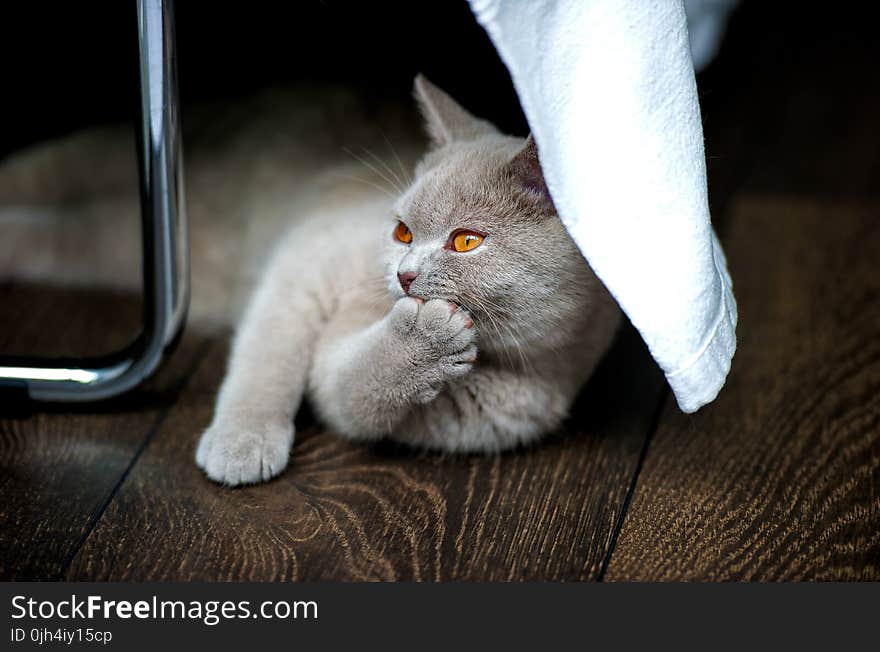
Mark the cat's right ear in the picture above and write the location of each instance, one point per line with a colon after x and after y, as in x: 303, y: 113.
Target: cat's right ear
x: 526, y: 169
x: 446, y: 120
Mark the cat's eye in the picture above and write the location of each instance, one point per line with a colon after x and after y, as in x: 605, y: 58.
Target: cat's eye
x: 402, y: 233
x: 462, y: 241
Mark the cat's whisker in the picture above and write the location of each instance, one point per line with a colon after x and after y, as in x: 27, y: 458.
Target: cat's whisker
x: 487, y: 302
x: 375, y: 186
x: 391, y: 190
x: 401, y: 182
x: 508, y: 329
x: 504, y: 345
x: 384, y: 167
x: 403, y: 171
x: 376, y: 170
x: 517, y: 346
x: 378, y: 293
x: 377, y: 282
x: 519, y: 349
x: 376, y: 299
x: 493, y: 325
x: 500, y: 310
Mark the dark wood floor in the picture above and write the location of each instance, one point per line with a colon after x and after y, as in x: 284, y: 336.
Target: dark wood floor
x: 778, y: 479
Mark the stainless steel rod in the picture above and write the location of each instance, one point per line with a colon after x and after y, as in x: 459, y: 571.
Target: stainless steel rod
x: 165, y: 248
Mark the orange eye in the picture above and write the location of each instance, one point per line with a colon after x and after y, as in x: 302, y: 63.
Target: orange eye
x: 402, y: 233
x: 466, y: 240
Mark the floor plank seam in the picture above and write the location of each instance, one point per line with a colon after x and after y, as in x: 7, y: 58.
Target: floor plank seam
x: 618, y: 526
x: 199, y: 357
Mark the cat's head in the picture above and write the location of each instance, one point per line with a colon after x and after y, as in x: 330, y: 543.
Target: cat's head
x: 477, y: 227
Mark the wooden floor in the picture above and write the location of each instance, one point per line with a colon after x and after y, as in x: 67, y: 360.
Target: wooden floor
x: 779, y: 479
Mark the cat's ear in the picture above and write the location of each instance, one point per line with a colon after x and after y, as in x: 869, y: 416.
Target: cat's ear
x: 445, y: 119
x: 526, y: 170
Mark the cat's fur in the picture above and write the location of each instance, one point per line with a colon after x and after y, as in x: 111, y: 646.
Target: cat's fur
x: 487, y: 351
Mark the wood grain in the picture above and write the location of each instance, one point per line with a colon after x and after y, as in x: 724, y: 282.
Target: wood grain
x: 350, y: 512
x: 779, y: 478
x: 59, y: 465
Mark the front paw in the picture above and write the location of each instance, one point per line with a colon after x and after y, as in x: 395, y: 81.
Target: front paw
x: 438, y: 339
x: 234, y: 455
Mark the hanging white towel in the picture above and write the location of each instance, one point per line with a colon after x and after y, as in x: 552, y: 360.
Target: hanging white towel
x: 608, y: 89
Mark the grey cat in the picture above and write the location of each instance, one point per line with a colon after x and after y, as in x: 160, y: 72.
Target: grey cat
x: 458, y: 316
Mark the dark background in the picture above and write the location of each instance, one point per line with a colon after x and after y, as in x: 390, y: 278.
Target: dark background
x: 69, y: 65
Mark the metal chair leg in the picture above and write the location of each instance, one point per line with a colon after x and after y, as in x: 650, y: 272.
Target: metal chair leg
x: 166, y: 255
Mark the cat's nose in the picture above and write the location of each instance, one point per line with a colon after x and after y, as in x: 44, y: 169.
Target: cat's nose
x: 406, y: 279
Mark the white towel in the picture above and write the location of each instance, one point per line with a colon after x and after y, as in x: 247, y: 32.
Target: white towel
x: 608, y: 89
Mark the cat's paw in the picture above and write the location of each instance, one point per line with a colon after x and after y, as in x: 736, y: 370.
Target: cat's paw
x: 439, y: 339
x: 232, y: 455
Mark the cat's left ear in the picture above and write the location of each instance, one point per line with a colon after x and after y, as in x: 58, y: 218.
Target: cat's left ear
x: 526, y: 169
x: 445, y: 119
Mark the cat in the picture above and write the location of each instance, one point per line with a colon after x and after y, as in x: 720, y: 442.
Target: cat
x: 458, y: 316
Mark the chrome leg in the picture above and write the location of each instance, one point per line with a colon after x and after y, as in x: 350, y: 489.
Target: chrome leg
x: 166, y: 256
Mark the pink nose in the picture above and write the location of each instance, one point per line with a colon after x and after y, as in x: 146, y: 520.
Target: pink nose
x: 406, y: 279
